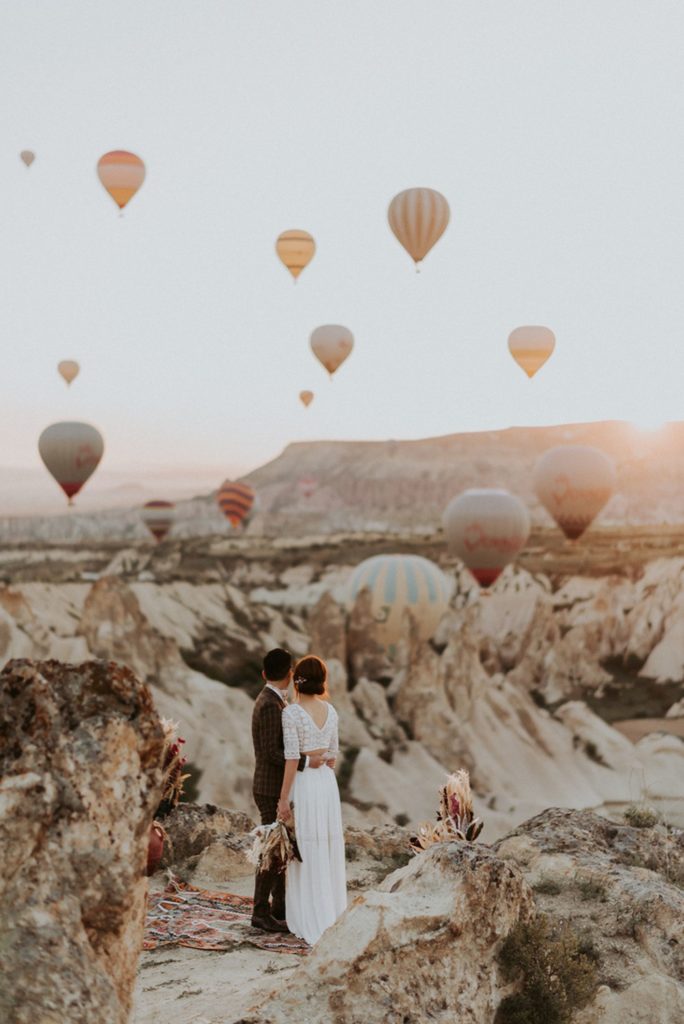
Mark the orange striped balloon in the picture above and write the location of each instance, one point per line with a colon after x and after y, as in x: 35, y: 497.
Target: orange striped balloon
x: 418, y: 217
x: 296, y: 250
x: 122, y: 174
x: 235, y: 501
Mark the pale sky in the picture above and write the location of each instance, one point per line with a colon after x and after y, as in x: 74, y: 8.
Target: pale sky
x: 555, y: 129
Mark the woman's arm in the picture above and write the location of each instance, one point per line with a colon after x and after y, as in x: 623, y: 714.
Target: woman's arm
x: 284, y: 812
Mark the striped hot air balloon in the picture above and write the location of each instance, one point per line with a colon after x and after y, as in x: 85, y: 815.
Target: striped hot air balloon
x: 235, y: 501
x: 122, y: 174
x: 531, y: 346
x: 573, y: 483
x: 71, y: 453
x: 486, y: 529
x: 296, y: 250
x: 418, y: 217
x: 158, y: 517
x: 397, y: 583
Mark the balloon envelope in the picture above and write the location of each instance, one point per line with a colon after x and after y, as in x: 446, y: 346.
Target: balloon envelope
x: 531, y: 347
x: 27, y: 157
x: 296, y: 250
x: 122, y: 174
x: 573, y: 483
x: 331, y: 344
x: 235, y: 501
x: 158, y: 517
x: 397, y: 583
x: 68, y: 369
x: 486, y: 529
x: 71, y: 453
x: 418, y: 217
x: 306, y: 397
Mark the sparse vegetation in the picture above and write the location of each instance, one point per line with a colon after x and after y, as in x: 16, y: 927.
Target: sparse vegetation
x: 592, y: 889
x: 548, y: 886
x: 640, y: 816
x: 401, y: 819
x: 554, y: 975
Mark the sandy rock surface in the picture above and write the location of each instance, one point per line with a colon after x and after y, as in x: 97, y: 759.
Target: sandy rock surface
x: 80, y: 757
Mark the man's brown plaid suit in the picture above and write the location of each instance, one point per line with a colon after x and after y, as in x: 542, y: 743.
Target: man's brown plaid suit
x: 267, y: 736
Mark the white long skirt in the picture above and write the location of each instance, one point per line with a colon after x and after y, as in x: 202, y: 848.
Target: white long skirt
x: 316, y: 892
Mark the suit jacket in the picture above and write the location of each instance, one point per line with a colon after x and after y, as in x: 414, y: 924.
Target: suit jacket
x: 267, y: 736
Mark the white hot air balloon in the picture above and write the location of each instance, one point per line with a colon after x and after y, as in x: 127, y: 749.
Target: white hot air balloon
x: 71, y: 453
x: 486, y: 529
x: 531, y: 347
x: 573, y: 482
x: 418, y: 217
x: 68, y: 369
x: 331, y: 344
x: 397, y: 583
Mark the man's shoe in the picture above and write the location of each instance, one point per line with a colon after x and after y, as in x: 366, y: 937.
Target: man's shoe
x: 281, y: 921
x: 269, y: 924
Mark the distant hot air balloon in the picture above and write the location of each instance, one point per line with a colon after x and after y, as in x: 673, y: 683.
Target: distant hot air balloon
x: 486, y: 529
x: 158, y: 517
x: 418, y: 217
x: 531, y: 347
x: 235, y: 501
x: 573, y: 483
x: 122, y: 174
x: 306, y: 397
x: 397, y: 583
x: 27, y: 156
x: 69, y: 369
x: 307, y: 486
x: 296, y: 250
x: 331, y: 344
x: 71, y: 452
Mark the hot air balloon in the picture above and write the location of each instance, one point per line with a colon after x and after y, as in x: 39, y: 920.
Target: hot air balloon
x: 71, y: 453
x: 235, y: 501
x: 398, y: 582
x: 531, y: 347
x: 27, y: 157
x: 418, y: 217
x: 486, y: 529
x: 158, y: 517
x: 573, y: 483
x: 296, y: 250
x: 122, y: 174
x: 69, y: 369
x: 331, y: 344
x: 306, y: 397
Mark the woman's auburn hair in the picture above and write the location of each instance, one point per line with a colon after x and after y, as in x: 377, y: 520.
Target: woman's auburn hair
x: 313, y: 673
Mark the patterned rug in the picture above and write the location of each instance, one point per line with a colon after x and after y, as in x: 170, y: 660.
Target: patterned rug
x: 182, y: 915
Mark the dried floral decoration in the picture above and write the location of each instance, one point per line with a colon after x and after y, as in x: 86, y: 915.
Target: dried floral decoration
x: 274, y: 847
x: 454, y: 818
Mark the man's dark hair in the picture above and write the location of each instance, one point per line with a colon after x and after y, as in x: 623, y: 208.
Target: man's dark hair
x: 277, y: 664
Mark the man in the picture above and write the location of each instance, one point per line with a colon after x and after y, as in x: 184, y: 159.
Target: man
x: 267, y: 736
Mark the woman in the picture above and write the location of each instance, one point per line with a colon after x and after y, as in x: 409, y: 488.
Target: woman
x: 316, y: 888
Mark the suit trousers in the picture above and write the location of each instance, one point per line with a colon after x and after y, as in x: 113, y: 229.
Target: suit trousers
x: 268, y: 885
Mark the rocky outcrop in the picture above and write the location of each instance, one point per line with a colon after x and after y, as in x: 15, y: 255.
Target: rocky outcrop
x: 421, y: 947
x: 80, y: 761
x: 622, y: 890
x: 207, y: 843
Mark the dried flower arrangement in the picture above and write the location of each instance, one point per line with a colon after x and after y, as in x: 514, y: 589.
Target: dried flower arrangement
x: 172, y: 766
x: 455, y: 818
x: 274, y: 847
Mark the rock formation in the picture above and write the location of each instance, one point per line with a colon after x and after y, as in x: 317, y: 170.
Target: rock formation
x: 80, y: 762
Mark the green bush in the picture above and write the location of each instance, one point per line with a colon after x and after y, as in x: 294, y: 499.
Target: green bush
x: 554, y: 976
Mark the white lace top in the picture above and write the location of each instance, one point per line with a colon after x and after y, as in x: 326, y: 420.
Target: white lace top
x: 300, y: 732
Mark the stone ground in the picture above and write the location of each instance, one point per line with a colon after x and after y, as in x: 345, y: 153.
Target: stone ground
x: 196, y: 986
